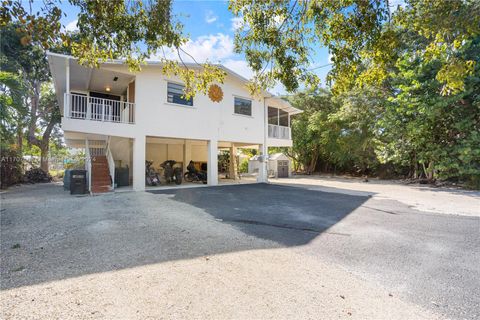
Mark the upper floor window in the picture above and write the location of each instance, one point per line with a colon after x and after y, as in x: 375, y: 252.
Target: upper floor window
x: 175, y: 94
x: 282, y: 118
x: 278, y: 117
x: 243, y: 106
x: 273, y: 116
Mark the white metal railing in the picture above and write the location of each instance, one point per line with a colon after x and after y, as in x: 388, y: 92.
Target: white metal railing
x: 278, y: 132
x: 111, y: 162
x: 79, y: 106
x: 97, y: 151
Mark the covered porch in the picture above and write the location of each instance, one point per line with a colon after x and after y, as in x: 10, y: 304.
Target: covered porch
x: 96, y: 94
x: 279, y: 114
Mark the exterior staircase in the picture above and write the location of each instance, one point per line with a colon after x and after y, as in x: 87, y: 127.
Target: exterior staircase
x: 101, y: 180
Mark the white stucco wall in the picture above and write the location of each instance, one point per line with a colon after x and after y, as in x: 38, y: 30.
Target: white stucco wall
x: 121, y: 149
x: 208, y: 121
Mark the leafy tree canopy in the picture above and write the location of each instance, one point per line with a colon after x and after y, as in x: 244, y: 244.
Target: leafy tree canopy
x: 130, y: 30
x: 364, y: 38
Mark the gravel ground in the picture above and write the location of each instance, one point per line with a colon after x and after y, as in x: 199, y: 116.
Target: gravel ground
x: 213, y: 253
x: 263, y: 284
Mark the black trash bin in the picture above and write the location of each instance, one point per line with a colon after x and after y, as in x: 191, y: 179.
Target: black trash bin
x: 122, y: 176
x: 66, y: 179
x: 78, y: 182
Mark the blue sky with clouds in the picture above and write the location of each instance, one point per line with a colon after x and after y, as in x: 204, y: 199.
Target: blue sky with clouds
x: 211, y: 27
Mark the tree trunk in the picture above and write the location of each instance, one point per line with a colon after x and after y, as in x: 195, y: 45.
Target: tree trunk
x: 34, y: 103
x: 430, y: 171
x: 42, y: 143
x: 44, y: 156
x: 296, y: 161
x: 415, y: 166
x: 313, y: 162
x: 20, y: 140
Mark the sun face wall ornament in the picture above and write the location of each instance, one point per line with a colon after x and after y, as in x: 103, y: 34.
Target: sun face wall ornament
x: 215, y: 93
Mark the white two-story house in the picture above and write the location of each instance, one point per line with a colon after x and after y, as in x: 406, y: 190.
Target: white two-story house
x: 124, y: 118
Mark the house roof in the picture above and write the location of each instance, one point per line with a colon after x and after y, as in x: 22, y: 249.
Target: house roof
x: 57, y: 67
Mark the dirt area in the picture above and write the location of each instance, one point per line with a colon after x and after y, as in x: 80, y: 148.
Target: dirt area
x: 416, y: 196
x: 264, y: 284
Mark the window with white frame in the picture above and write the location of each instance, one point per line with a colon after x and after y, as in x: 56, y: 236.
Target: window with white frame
x: 175, y: 94
x: 278, y: 117
x: 243, y: 106
x: 272, y: 116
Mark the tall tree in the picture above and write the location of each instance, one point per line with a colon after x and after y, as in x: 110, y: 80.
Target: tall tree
x: 336, y: 133
x: 279, y: 37
x: 12, y: 110
x: 28, y: 62
x: 312, y: 133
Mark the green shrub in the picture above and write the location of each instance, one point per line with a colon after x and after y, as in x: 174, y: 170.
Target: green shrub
x: 243, y: 168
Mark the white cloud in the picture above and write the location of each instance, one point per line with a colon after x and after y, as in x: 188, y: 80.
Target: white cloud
x: 217, y: 48
x: 213, y: 47
x: 394, y: 4
x: 210, y: 17
x: 72, y: 26
x: 237, y: 23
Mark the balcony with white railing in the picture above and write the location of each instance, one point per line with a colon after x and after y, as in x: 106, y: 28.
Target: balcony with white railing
x: 84, y: 107
x: 279, y: 132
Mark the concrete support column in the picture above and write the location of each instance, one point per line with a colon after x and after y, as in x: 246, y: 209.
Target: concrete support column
x: 212, y: 164
x: 66, y: 103
x: 187, y: 154
x: 233, y: 163
x: 139, y: 163
x: 263, y: 172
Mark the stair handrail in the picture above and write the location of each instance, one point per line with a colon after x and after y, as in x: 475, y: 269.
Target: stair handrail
x: 111, y: 162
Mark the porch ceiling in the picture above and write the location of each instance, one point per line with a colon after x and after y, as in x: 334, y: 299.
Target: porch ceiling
x: 278, y: 102
x: 77, y: 139
x: 100, y: 79
x: 85, y: 79
x: 162, y: 140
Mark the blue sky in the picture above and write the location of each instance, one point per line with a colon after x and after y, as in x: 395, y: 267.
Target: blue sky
x: 211, y: 27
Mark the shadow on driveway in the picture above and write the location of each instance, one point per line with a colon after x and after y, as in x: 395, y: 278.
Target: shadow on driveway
x: 283, y: 208
x: 48, y: 235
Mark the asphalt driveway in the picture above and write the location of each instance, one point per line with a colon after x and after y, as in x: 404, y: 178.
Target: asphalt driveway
x: 49, y: 237
x: 427, y: 258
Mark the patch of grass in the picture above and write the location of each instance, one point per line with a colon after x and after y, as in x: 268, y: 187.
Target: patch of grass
x: 57, y: 173
x: 18, y: 269
x: 16, y: 246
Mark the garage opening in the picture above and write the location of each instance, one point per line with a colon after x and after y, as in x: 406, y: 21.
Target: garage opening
x: 175, y: 162
x: 233, y: 161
